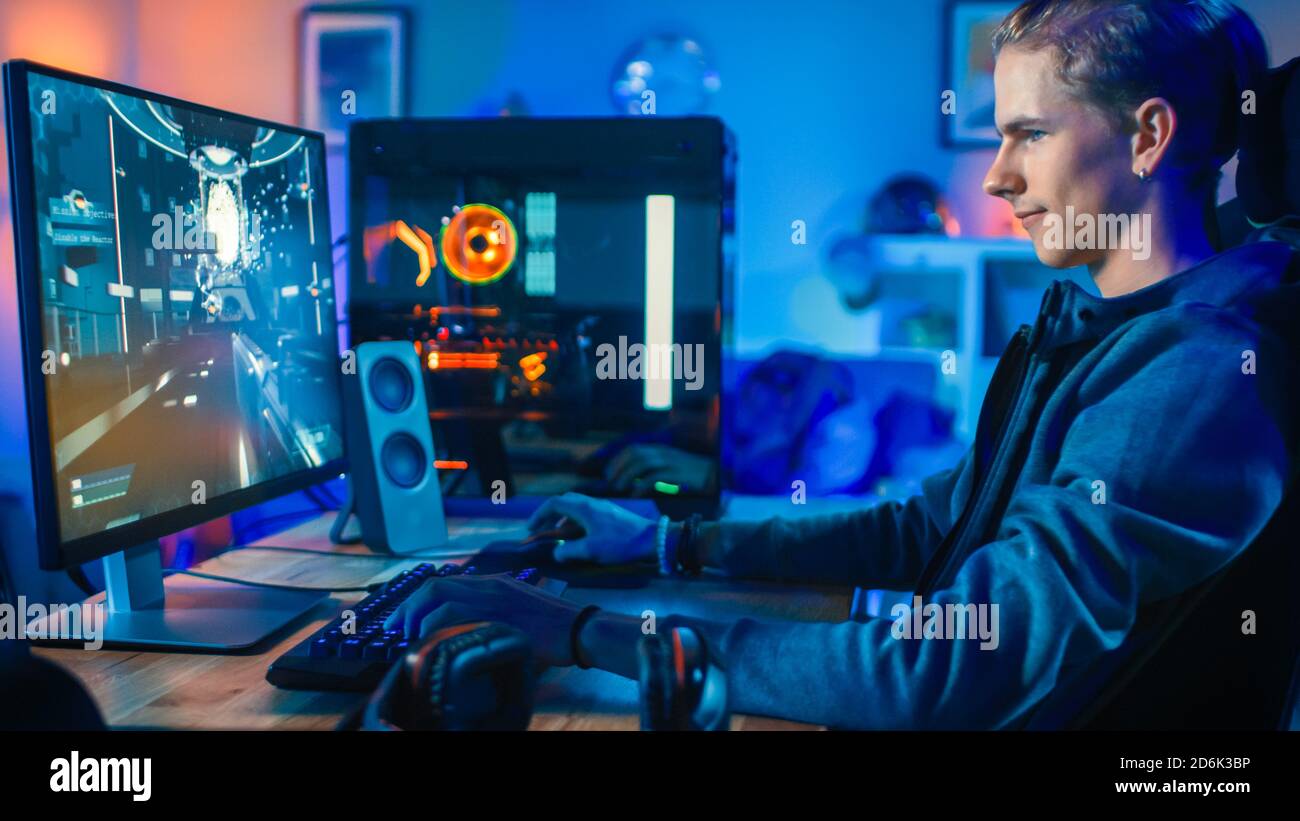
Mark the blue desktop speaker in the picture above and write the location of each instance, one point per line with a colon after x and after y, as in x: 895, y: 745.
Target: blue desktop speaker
x: 393, y: 487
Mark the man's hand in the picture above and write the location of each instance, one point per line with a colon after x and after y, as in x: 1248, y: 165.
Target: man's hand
x: 636, y: 468
x: 447, y: 601
x: 614, y: 535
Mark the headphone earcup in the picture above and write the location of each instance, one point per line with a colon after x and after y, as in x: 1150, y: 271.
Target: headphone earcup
x: 477, y: 676
x: 682, y: 685
x: 655, y: 677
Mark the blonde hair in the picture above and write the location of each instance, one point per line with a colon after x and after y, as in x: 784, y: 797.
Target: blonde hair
x: 1200, y: 55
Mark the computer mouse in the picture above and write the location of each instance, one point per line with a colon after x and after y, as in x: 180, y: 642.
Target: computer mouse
x: 566, y: 530
x: 537, y: 551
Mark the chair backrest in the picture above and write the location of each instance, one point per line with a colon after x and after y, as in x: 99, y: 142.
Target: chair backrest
x: 1268, y: 164
x: 1221, y: 656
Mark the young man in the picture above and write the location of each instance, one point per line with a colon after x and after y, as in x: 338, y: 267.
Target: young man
x: 1130, y: 446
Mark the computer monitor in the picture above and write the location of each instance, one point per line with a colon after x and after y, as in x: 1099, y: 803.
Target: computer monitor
x: 563, y: 281
x: 179, y: 339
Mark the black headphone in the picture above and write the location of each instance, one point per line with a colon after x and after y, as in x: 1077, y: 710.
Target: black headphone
x: 478, y: 676
x: 682, y: 686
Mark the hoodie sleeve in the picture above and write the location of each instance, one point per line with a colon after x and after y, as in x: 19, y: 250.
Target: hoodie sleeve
x: 1194, y: 456
x: 886, y: 544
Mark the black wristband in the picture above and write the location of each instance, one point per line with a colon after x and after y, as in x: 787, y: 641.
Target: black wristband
x: 579, y: 622
x: 688, y: 552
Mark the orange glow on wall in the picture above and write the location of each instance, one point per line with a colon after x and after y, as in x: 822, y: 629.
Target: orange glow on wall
x: 235, y: 54
x: 85, y: 37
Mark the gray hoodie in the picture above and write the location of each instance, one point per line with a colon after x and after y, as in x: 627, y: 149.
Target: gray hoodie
x: 1128, y: 449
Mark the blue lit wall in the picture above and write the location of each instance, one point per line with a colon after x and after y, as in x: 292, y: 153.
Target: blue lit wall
x: 827, y: 99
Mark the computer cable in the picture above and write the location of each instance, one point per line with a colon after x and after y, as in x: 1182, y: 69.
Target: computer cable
x: 241, y: 533
x: 311, y: 552
x: 320, y: 496
x: 454, y: 482
x: 274, y: 585
x: 321, y: 502
x: 324, y: 496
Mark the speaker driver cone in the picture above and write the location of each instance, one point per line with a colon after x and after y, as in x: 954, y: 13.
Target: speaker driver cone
x: 403, y: 460
x: 391, y: 385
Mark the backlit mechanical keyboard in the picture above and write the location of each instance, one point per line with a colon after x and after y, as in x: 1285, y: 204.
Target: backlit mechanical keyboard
x: 353, y: 653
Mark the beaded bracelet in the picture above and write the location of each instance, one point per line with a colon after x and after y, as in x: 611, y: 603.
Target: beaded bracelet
x: 666, y: 563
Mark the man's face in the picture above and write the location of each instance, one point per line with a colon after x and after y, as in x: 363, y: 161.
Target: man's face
x: 1056, y: 151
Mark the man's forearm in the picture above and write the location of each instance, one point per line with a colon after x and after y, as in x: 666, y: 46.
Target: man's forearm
x: 708, y: 545
x: 882, y: 545
x: 608, y: 641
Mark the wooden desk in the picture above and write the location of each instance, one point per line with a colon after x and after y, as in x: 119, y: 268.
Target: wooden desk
x: 202, y: 691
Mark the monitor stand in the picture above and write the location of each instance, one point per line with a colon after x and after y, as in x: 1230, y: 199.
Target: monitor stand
x: 143, y: 609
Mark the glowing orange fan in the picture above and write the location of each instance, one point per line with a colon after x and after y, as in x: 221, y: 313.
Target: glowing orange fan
x: 479, y: 244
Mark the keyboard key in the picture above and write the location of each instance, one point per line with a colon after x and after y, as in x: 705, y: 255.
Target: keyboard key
x: 365, y: 637
x: 351, y: 649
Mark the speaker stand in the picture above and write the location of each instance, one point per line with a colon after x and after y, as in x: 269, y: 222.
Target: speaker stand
x: 344, y: 516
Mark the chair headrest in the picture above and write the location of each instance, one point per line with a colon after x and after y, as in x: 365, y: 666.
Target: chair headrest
x: 1268, y: 170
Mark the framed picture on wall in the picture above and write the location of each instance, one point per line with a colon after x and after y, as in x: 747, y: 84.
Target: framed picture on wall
x: 353, y: 63
x: 968, y: 72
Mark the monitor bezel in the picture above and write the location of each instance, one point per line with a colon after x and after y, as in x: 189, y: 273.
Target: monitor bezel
x: 54, y: 552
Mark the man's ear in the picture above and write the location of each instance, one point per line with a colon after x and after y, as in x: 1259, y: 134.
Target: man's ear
x: 1156, y: 126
